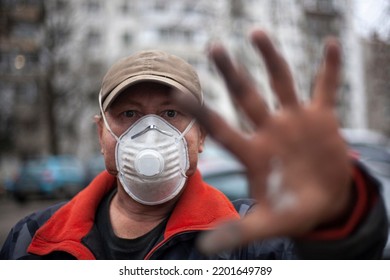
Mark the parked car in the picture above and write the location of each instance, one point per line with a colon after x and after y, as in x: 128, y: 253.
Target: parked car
x: 94, y: 165
x: 52, y: 176
x: 221, y: 170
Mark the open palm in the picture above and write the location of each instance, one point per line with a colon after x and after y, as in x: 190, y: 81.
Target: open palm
x: 297, y: 163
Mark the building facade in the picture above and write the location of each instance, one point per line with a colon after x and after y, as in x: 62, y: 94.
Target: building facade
x: 49, y: 107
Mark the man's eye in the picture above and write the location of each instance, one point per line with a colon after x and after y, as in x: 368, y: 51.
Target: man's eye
x: 129, y: 114
x: 171, y: 113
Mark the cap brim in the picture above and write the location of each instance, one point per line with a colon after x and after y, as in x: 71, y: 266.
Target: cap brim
x: 138, y: 79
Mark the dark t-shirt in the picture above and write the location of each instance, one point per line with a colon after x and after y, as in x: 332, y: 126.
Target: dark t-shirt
x: 116, y: 248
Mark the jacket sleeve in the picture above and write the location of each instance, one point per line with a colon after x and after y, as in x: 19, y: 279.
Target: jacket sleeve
x: 365, y: 241
x: 20, y: 236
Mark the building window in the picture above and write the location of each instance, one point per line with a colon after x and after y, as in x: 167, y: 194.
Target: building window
x: 190, y: 7
x: 325, y: 6
x: 126, y: 7
x: 92, y: 6
x: 26, y: 92
x: 94, y: 68
x: 93, y: 38
x: 320, y: 6
x: 127, y: 38
x: 63, y: 66
x: 176, y: 34
x: 160, y: 6
x: 4, y: 61
x: 61, y: 5
x: 25, y: 2
x: 24, y: 30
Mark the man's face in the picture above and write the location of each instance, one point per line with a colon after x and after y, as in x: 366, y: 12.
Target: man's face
x: 140, y: 100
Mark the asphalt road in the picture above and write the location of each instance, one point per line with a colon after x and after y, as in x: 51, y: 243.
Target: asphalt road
x: 11, y: 212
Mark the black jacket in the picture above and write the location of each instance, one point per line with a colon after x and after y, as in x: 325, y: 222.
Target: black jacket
x: 67, y: 231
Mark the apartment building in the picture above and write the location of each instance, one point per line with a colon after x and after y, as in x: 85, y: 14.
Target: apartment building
x: 99, y: 32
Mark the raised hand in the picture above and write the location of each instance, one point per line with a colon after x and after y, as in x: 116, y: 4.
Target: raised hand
x: 297, y: 163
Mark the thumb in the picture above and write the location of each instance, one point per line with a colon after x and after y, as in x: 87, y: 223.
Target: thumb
x: 233, y: 234
x: 261, y: 223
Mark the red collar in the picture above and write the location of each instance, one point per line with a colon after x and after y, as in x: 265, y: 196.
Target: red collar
x: 199, y: 208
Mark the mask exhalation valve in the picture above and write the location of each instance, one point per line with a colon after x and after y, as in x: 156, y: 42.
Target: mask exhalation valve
x: 149, y: 163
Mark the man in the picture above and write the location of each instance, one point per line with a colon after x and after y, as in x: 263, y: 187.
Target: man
x: 151, y: 203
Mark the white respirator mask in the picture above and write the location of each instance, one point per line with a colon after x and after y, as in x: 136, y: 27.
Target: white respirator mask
x: 152, y: 159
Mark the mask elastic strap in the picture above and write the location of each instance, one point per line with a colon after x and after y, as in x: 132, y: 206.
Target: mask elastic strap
x: 189, y: 126
x: 105, y: 120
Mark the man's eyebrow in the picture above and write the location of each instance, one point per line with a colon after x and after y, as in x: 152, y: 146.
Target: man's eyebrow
x: 168, y: 103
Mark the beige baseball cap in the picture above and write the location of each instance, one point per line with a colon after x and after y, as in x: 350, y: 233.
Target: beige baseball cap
x: 152, y: 65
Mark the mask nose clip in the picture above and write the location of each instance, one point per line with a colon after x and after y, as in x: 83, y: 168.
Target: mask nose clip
x: 149, y: 128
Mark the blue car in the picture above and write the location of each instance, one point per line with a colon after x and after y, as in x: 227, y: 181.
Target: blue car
x: 94, y: 165
x: 224, y: 172
x: 52, y: 176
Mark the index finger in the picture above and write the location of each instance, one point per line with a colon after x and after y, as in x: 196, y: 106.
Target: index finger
x: 215, y: 126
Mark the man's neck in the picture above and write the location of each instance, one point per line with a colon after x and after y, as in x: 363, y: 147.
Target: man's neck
x: 130, y: 219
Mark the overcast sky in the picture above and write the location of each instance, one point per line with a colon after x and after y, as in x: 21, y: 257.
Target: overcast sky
x: 373, y: 15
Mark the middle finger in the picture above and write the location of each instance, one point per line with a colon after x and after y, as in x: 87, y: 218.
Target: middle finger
x: 280, y: 76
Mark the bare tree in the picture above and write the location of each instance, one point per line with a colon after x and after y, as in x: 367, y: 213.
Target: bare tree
x: 57, y: 30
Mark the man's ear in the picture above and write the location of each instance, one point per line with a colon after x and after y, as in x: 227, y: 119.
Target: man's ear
x: 202, y: 139
x: 99, y: 125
